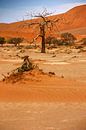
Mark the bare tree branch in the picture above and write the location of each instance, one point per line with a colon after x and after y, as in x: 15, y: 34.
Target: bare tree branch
x: 34, y: 39
x: 44, y: 23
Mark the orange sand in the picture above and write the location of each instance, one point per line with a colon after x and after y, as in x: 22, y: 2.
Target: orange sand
x: 40, y: 87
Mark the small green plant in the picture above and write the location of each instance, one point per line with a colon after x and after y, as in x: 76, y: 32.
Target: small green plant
x: 68, y: 38
x: 51, y: 40
x: 2, y: 40
x: 15, y: 41
x: 62, y: 43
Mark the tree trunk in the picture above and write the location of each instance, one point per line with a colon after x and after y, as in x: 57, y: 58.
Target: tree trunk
x: 43, y: 44
x: 43, y: 38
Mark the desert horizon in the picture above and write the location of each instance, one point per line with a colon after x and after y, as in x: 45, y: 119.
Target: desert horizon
x: 69, y: 23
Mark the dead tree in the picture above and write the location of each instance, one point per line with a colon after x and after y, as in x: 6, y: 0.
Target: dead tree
x: 44, y: 24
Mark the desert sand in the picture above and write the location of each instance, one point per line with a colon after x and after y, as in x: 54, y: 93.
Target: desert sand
x: 42, y: 116
x: 38, y: 100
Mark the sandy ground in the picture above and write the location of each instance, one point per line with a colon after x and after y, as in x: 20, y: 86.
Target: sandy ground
x: 40, y: 101
x: 42, y: 116
x: 70, y: 65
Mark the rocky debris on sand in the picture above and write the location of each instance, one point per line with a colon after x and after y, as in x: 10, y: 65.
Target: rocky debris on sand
x: 51, y: 73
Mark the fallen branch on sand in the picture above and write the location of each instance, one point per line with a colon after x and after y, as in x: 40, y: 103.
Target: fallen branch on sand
x: 27, y: 68
x: 27, y: 65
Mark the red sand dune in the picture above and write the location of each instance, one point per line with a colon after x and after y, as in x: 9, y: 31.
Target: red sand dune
x: 74, y: 21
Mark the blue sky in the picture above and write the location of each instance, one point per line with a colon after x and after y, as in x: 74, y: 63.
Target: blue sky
x: 15, y: 10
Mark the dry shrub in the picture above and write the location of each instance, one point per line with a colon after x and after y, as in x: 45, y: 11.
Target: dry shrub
x: 18, y: 74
